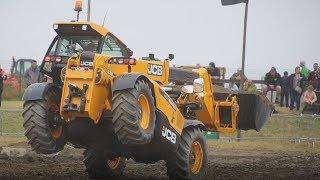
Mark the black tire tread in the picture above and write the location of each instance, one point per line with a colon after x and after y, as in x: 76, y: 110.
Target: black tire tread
x: 37, y: 129
x: 96, y: 166
x: 177, y: 162
x: 125, y: 115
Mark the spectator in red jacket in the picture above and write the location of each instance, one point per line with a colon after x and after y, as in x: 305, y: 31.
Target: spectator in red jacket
x: 2, y: 78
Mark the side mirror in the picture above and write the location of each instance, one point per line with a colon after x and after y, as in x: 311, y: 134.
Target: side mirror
x: 151, y: 56
x: 171, y: 57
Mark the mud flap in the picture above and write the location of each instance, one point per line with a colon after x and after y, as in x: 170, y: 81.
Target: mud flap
x: 254, y: 111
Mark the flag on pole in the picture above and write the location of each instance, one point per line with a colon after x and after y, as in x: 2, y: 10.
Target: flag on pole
x: 232, y: 2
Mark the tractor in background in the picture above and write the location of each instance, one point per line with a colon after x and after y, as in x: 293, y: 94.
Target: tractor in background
x: 16, y: 77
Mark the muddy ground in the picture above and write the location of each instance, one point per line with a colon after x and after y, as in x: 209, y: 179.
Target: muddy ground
x: 227, y: 160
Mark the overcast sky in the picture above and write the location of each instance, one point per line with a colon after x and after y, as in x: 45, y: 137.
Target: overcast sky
x: 280, y: 32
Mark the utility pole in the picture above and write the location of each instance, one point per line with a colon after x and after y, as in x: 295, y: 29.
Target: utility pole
x: 244, y: 43
x: 89, y: 10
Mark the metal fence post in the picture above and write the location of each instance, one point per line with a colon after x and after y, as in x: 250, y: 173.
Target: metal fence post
x: 1, y: 124
x: 297, y: 136
x: 283, y: 129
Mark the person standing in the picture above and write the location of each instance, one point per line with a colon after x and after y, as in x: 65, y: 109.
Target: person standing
x: 314, y: 76
x: 284, y: 83
x: 33, y: 75
x: 305, y: 73
x: 215, y: 73
x: 304, y: 70
x: 295, y: 88
x: 2, y: 78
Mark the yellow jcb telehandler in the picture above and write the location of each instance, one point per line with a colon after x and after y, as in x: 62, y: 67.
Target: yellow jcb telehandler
x: 118, y: 107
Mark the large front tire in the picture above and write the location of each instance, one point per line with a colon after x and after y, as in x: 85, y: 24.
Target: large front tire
x: 189, y: 161
x: 98, y: 165
x: 134, y: 114
x: 43, y: 135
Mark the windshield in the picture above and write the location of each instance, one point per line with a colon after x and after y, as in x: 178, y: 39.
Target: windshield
x: 68, y: 45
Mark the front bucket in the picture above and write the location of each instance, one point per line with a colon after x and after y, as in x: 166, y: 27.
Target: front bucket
x: 254, y: 111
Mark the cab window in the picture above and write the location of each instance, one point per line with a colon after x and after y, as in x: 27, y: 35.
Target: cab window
x: 112, y: 47
x: 52, y: 50
x: 67, y: 45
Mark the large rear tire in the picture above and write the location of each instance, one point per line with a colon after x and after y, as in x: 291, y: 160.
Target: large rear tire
x: 98, y: 165
x: 43, y: 135
x: 134, y: 114
x: 189, y: 161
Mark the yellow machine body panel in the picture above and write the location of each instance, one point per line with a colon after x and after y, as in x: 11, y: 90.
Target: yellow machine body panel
x: 91, y: 97
x: 213, y: 112
x: 93, y: 105
x: 168, y: 107
x: 155, y: 70
x: 98, y: 96
x: 206, y: 114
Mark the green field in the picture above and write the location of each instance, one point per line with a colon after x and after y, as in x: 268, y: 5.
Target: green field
x: 11, y: 93
x: 263, y: 146
x: 286, y: 127
x: 11, y: 122
x: 10, y: 116
x: 11, y: 105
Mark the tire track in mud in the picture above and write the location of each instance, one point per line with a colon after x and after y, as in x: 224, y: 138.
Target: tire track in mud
x: 18, y: 162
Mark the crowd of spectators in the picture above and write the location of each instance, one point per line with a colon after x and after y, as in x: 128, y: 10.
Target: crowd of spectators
x: 302, y: 84
x: 290, y: 88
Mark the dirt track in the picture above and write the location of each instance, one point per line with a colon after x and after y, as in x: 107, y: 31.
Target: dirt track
x: 226, y: 160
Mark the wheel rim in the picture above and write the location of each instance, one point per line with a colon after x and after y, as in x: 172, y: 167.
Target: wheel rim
x: 196, y: 157
x: 114, y: 163
x: 144, y: 111
x: 56, y: 131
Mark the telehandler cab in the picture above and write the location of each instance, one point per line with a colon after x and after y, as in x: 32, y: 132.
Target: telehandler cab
x: 117, y: 107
